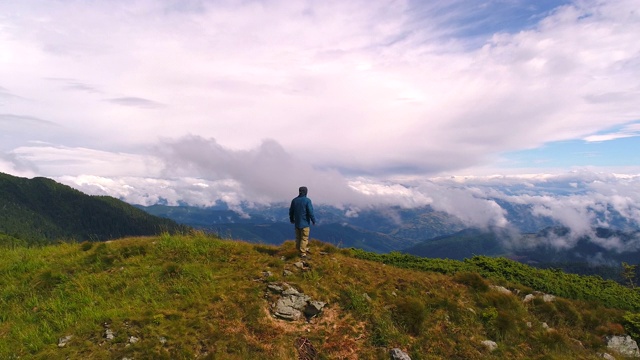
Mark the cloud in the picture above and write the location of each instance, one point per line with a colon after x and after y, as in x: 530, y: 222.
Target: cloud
x: 370, y: 88
x: 630, y: 130
x: 135, y: 102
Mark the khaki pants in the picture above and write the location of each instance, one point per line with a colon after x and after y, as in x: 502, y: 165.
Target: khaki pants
x: 302, y: 240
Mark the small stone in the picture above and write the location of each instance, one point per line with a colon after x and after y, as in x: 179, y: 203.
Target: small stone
x: 501, y: 289
x: 267, y: 274
x: 491, y: 345
x: 548, y: 298
x: 299, y: 265
x: 163, y: 340
x: 606, y: 356
x: 133, y: 339
x: 275, y: 288
x: 109, y: 335
x: 63, y: 341
x: 286, y: 272
x: 397, y: 354
x: 529, y: 298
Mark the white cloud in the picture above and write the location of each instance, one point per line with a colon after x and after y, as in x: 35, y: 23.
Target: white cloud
x: 372, y: 87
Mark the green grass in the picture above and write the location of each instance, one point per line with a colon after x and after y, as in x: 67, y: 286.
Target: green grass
x: 196, y: 296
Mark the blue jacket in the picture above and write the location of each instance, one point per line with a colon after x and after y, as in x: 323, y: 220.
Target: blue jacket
x: 301, y: 212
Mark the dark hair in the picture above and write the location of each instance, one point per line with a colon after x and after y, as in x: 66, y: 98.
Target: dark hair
x: 303, y: 190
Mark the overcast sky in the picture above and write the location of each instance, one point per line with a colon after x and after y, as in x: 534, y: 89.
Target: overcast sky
x: 198, y: 101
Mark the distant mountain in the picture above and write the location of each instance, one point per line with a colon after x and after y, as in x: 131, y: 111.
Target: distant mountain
x: 587, y: 256
x: 375, y: 229
x: 460, y: 245
x: 42, y: 210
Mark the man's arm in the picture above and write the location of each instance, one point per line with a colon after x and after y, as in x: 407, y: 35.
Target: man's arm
x: 291, y: 219
x: 310, y: 212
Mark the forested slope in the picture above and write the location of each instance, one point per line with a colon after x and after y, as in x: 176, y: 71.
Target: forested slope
x: 42, y: 210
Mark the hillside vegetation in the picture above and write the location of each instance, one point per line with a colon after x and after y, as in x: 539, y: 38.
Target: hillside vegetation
x: 199, y: 297
x: 40, y: 210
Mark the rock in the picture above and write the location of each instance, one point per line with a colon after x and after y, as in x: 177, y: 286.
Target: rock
x: 606, y: 356
x: 397, y: 354
x: 163, y: 340
x: 299, y: 265
x: 290, y: 291
x: 285, y: 309
x: 624, y: 345
x: 267, y: 274
x: 313, y: 308
x: 133, y: 339
x: 529, y: 298
x: 286, y: 272
x: 275, y: 288
x: 501, y: 289
x: 491, y: 345
x: 63, y: 341
x: 292, y: 304
x: 108, y: 334
x: 548, y: 298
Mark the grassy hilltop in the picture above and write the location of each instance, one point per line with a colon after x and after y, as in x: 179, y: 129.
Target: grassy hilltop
x: 199, y: 297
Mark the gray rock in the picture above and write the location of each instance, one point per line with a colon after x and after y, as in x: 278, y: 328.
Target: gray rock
x: 133, y: 339
x: 624, y: 345
x: 491, y: 345
x: 548, y: 298
x: 397, y: 354
x: 286, y: 272
x: 285, y: 309
x: 290, y: 291
x: 313, y: 308
x: 501, y: 289
x: 109, y: 335
x: 275, y: 288
x: 300, y: 301
x: 529, y: 298
x: 63, y: 341
x: 267, y: 274
x: 606, y: 356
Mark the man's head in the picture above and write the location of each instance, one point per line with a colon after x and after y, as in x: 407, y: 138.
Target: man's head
x: 302, y: 191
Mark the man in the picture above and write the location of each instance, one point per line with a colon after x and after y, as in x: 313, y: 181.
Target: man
x: 301, y: 214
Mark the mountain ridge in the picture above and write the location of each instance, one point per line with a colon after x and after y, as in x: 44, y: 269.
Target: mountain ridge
x: 41, y: 210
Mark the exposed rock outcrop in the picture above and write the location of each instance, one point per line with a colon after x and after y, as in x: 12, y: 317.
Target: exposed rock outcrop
x: 623, y: 345
x: 291, y: 304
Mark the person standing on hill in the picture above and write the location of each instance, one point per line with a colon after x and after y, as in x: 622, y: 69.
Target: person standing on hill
x: 301, y: 215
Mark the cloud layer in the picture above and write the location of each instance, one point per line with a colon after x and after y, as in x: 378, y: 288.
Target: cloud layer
x: 373, y: 87
x: 366, y: 102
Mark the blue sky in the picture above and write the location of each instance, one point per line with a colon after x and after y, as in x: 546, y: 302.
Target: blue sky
x: 364, y: 101
x: 616, y: 152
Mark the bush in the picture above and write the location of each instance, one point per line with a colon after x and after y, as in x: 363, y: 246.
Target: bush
x: 409, y: 315
x: 632, y: 325
x: 472, y: 280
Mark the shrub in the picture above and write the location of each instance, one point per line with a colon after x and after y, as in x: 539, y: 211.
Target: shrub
x: 632, y: 324
x: 356, y: 301
x: 472, y: 280
x: 383, y: 331
x: 409, y: 315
